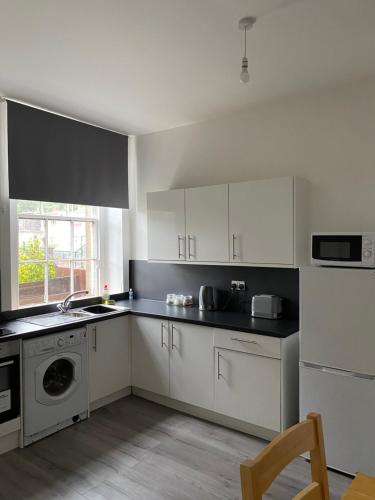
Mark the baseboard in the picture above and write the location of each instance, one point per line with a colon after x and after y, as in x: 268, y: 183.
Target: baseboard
x: 211, y: 416
x: 10, y: 435
x: 9, y: 442
x: 110, y: 399
x: 10, y: 426
x: 12, y: 439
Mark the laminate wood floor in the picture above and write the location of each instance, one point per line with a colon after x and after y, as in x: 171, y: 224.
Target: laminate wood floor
x: 135, y: 449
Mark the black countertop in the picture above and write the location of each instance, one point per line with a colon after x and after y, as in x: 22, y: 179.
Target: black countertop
x: 281, y: 328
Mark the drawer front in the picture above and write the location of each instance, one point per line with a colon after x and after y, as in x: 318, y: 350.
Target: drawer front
x: 248, y: 342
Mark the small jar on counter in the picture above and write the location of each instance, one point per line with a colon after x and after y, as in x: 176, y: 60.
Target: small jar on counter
x: 188, y: 300
x: 170, y: 299
x: 178, y: 300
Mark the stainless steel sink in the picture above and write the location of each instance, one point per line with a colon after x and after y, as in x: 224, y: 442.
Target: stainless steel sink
x: 98, y: 309
x: 59, y: 318
x: 77, y: 314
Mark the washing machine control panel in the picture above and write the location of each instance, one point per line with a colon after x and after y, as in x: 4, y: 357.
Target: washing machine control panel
x: 55, y: 342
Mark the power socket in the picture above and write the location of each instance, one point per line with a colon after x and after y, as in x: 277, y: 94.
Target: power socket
x: 238, y: 285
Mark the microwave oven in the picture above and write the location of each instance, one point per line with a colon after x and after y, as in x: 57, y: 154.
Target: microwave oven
x: 343, y: 249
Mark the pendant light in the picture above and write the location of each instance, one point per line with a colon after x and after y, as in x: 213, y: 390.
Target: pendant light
x: 244, y: 24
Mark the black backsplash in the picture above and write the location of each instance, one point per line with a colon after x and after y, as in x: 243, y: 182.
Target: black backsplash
x: 154, y: 281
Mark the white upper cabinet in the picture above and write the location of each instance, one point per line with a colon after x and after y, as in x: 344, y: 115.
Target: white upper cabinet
x: 166, y: 225
x: 261, y: 225
x: 262, y: 222
x: 207, y: 224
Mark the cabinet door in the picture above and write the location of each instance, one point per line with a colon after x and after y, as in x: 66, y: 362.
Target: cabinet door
x: 207, y: 223
x: 261, y: 221
x: 109, y: 357
x: 150, y: 355
x: 247, y: 387
x: 191, y: 364
x: 166, y: 225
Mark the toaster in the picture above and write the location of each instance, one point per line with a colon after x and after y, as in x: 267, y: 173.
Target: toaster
x: 266, y: 306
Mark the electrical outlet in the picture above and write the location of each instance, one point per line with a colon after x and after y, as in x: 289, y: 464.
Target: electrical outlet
x: 238, y: 285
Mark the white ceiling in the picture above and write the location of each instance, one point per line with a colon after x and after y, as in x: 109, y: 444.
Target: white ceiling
x: 139, y: 66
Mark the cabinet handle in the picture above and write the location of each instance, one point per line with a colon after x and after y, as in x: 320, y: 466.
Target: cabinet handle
x: 234, y: 255
x: 95, y: 339
x: 6, y: 363
x: 162, y: 335
x: 218, y: 365
x: 246, y: 341
x: 173, y: 329
x: 180, y: 238
x: 189, y: 248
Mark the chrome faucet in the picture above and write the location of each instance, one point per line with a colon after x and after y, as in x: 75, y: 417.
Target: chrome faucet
x: 66, y: 305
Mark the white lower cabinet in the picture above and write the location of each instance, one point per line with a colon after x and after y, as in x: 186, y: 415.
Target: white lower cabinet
x: 150, y: 355
x: 173, y: 359
x: 109, y: 357
x: 247, y: 387
x: 249, y: 377
x: 191, y: 364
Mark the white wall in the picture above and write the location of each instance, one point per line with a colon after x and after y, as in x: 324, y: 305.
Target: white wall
x: 327, y: 137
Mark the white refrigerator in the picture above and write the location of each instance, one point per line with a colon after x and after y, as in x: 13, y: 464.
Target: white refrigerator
x: 337, y: 362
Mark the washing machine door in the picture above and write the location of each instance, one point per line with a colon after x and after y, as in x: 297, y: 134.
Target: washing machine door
x: 57, y: 378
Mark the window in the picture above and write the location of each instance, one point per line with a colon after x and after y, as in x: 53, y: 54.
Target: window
x: 58, y: 251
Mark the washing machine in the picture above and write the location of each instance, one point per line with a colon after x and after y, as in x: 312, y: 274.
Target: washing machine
x: 55, y: 383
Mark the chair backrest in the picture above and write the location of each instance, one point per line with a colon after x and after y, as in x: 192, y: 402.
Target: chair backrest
x: 257, y: 475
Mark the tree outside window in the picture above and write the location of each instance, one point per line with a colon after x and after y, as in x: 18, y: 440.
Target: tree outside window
x: 32, y: 271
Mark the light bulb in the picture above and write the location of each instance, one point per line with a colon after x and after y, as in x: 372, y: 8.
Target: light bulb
x: 244, y: 24
x: 244, y: 77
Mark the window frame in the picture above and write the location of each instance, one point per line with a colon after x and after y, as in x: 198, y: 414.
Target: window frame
x: 47, y: 217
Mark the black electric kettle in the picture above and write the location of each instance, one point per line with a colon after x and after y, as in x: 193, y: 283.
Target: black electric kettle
x: 206, y: 298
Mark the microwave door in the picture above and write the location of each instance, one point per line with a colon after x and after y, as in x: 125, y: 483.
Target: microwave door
x: 337, y: 248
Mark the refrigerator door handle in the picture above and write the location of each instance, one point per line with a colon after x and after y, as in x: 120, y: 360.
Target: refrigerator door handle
x: 337, y: 371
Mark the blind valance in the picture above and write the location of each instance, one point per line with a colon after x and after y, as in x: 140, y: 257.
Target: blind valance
x: 58, y: 159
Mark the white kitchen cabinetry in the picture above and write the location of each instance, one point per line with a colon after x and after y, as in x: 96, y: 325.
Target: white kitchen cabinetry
x: 109, y: 357
x: 150, y: 354
x: 173, y: 359
x: 256, y: 378
x: 255, y: 223
x: 261, y: 221
x: 252, y: 378
x: 191, y: 364
x: 247, y: 387
x: 166, y: 225
x: 207, y: 223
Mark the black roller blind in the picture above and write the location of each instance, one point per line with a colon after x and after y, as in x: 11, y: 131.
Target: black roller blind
x: 53, y: 158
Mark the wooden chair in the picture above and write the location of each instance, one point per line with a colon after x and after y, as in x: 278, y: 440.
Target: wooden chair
x: 307, y: 436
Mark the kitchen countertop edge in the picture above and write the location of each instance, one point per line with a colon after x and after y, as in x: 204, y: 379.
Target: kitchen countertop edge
x: 240, y: 322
